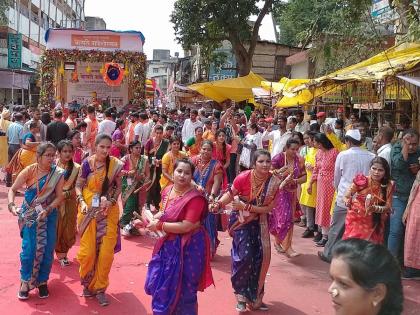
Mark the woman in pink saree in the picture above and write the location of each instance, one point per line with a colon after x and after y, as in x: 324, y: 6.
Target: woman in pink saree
x: 180, y: 264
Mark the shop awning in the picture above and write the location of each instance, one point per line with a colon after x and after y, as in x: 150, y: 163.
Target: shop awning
x: 389, y: 62
x: 413, y: 80
x: 237, y: 89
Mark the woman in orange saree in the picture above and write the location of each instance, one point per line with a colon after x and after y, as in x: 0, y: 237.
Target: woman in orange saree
x: 369, y: 201
x: 97, y: 190
x: 26, y: 155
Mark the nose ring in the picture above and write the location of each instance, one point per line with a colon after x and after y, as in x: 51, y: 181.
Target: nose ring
x: 334, y: 293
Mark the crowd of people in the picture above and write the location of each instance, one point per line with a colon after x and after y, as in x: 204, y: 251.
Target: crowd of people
x: 185, y: 175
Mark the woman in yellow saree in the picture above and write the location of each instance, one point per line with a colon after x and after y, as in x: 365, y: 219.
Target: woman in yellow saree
x: 97, y: 190
x: 67, y: 214
x: 26, y: 155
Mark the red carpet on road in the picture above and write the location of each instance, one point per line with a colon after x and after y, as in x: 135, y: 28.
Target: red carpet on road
x: 293, y: 287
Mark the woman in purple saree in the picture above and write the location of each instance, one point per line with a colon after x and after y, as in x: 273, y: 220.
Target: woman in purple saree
x: 252, y: 196
x: 180, y: 264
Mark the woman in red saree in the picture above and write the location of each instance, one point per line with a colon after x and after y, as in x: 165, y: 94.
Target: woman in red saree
x: 253, y: 196
x: 369, y: 201
x: 180, y: 264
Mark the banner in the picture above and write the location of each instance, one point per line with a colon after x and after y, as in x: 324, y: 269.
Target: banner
x: 14, y: 51
x: 96, y: 41
x: 88, y: 83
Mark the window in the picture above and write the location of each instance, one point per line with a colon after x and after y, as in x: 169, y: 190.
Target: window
x: 155, y: 70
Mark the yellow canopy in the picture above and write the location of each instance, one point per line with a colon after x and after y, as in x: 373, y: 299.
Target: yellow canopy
x: 237, y: 89
x: 390, y: 62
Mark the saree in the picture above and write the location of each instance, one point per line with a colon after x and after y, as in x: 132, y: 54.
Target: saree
x: 67, y: 215
x: 359, y: 220
x: 205, y: 179
x: 412, y: 231
x: 281, y: 218
x: 38, y: 236
x: 22, y: 158
x: 132, y: 197
x: 251, y: 248
x: 180, y: 265
x: 99, y: 239
x: 157, y: 152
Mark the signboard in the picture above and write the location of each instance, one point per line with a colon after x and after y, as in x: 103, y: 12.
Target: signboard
x: 227, y: 70
x: 88, y: 83
x: 14, y: 51
x: 96, y: 41
x: 363, y: 93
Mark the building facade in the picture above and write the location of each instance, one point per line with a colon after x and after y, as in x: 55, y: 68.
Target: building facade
x: 94, y: 23
x: 22, y: 42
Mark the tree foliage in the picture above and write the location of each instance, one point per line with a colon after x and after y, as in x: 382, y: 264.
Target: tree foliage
x: 209, y: 22
x: 338, y: 32
x: 4, y: 6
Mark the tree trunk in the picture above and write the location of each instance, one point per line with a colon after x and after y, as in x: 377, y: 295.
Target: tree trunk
x: 404, y: 9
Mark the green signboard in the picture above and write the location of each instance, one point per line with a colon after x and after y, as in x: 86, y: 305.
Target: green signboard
x: 14, y: 51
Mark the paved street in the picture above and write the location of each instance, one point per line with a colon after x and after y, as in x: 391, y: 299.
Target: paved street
x: 294, y: 287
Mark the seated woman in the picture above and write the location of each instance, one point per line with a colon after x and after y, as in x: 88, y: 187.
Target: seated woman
x: 180, y: 264
x: 369, y: 201
x: 366, y: 279
x: 26, y: 155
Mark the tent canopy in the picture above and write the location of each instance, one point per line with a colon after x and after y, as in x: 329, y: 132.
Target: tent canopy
x: 388, y: 63
x: 237, y: 89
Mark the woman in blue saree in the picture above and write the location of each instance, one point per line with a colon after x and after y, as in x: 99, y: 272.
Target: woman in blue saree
x: 252, y: 195
x: 38, y: 219
x: 180, y: 264
x: 208, y: 176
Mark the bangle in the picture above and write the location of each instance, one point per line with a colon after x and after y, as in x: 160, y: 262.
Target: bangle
x: 159, y: 226
x: 11, y: 205
x: 113, y: 201
x: 163, y: 227
x: 80, y: 198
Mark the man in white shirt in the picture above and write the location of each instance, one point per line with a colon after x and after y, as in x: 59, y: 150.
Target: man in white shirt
x: 188, y: 129
x: 384, y: 138
x: 107, y: 126
x: 71, y: 119
x: 302, y: 126
x: 348, y: 164
x: 143, y: 129
x: 36, y: 117
x: 278, y: 137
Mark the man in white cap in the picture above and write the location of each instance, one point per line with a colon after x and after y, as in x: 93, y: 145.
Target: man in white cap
x: 348, y: 164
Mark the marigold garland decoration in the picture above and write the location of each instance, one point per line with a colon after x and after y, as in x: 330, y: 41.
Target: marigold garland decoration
x: 54, y: 57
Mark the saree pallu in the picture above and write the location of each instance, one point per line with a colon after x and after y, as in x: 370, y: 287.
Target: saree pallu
x: 180, y: 265
x: 38, y: 236
x: 67, y: 216
x: 20, y: 160
x: 251, y: 251
x: 99, y: 240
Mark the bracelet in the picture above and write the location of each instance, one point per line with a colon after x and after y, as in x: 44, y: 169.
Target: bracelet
x: 159, y: 226
x: 11, y: 205
x: 163, y: 227
x: 80, y: 198
x: 113, y: 201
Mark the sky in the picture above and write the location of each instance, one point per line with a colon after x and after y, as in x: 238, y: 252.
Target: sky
x: 151, y: 17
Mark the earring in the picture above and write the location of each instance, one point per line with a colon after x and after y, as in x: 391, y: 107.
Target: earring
x: 375, y: 304
x: 334, y: 293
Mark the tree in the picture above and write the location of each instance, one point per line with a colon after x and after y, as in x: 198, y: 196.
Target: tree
x: 338, y: 32
x: 209, y: 22
x: 4, y: 7
x: 408, y: 27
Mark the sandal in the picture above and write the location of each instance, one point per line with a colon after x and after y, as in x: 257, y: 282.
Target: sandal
x: 291, y: 253
x: 87, y: 293
x: 23, y: 293
x: 103, y: 301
